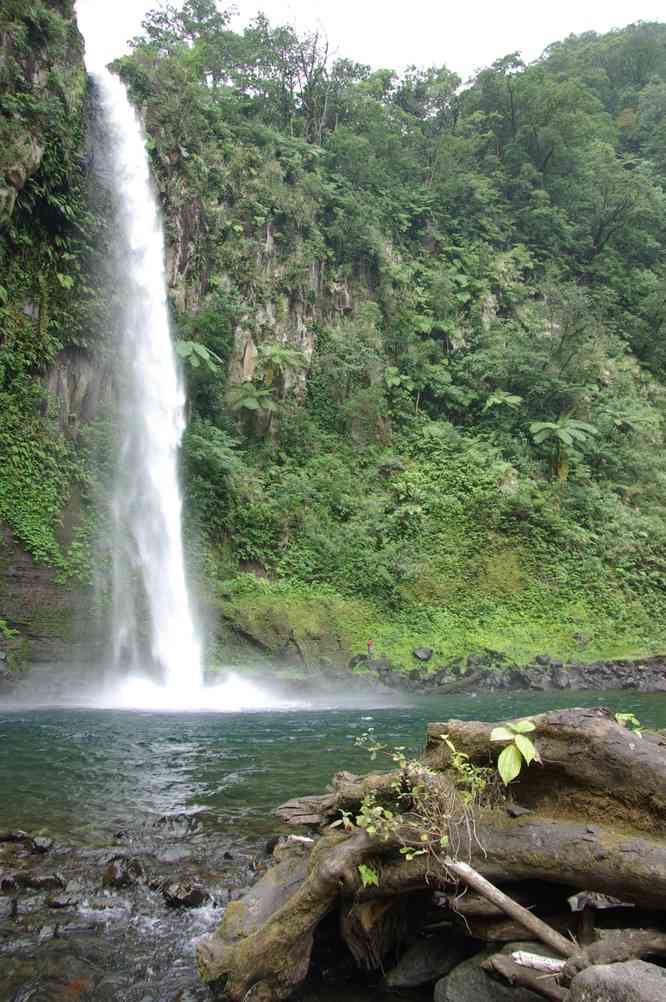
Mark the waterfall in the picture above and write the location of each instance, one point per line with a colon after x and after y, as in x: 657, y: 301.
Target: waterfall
x: 153, y: 626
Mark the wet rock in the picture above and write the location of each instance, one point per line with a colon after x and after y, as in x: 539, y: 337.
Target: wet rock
x: 468, y: 982
x: 183, y: 894
x: 560, y: 677
x: 41, y: 844
x: 516, y: 811
x: 422, y: 653
x: 62, y: 900
x: 17, y: 837
x: 177, y: 825
x: 40, y: 882
x: 8, y: 884
x: 632, y: 981
x: 426, y: 961
x: 122, y: 872
x: 46, y: 933
x: 8, y: 909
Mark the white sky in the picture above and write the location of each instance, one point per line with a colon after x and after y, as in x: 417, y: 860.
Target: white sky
x: 463, y: 35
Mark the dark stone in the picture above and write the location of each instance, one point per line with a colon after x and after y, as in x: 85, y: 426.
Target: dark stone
x: 422, y: 653
x: 228, y: 855
x: 8, y: 909
x: 8, y: 884
x: 358, y: 659
x: 632, y: 981
x: 516, y: 811
x: 178, y: 825
x: 121, y: 872
x: 542, y: 659
x: 560, y: 677
x: 427, y: 960
x: 468, y: 982
x: 63, y: 900
x: 17, y: 837
x: 181, y: 894
x: 40, y: 882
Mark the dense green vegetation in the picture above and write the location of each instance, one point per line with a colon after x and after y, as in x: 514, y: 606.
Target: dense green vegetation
x: 424, y: 330
x: 453, y: 419
x: 46, y: 296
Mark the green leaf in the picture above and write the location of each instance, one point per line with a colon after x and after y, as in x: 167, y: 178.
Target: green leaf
x: 523, y: 726
x: 501, y: 734
x: 368, y: 875
x: 509, y: 764
x: 66, y: 281
x: 525, y: 747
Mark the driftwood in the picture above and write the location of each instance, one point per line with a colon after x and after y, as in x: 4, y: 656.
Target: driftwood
x: 515, y: 974
x: 597, y: 809
x: 533, y: 924
x: 592, y: 767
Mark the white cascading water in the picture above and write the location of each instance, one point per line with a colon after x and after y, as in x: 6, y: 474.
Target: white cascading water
x: 149, y: 584
x: 154, y: 636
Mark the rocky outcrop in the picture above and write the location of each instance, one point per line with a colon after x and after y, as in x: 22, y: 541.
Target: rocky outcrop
x: 53, y: 622
x: 78, y: 384
x: 33, y: 46
x: 632, y: 981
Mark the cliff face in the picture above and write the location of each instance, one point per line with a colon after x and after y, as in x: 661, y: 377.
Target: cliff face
x: 51, y: 379
x: 42, y: 77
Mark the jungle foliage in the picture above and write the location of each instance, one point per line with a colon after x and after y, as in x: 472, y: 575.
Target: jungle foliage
x: 424, y: 329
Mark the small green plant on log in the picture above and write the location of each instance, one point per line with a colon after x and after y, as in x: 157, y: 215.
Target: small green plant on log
x: 520, y: 750
x: 6, y: 630
x: 425, y: 810
x: 369, y: 877
x: 630, y: 721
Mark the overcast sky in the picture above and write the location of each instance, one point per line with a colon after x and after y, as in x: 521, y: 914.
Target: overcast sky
x: 464, y: 35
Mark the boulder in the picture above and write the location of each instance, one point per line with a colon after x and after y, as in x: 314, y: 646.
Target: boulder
x: 422, y: 653
x: 39, y: 882
x: 41, y: 844
x: 427, y: 960
x: 632, y: 981
x: 183, y: 894
x: 123, y: 872
x: 468, y: 982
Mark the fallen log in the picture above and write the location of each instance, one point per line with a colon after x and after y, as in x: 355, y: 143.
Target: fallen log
x: 592, y: 767
x: 588, y: 759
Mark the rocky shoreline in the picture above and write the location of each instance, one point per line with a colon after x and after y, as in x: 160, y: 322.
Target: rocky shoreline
x: 491, y: 671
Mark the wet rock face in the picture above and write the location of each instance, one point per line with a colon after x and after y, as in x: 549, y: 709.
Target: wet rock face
x: 122, y: 872
x: 183, y: 894
x: 632, y: 981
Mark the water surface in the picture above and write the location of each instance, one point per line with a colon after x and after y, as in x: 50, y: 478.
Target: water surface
x: 83, y: 774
